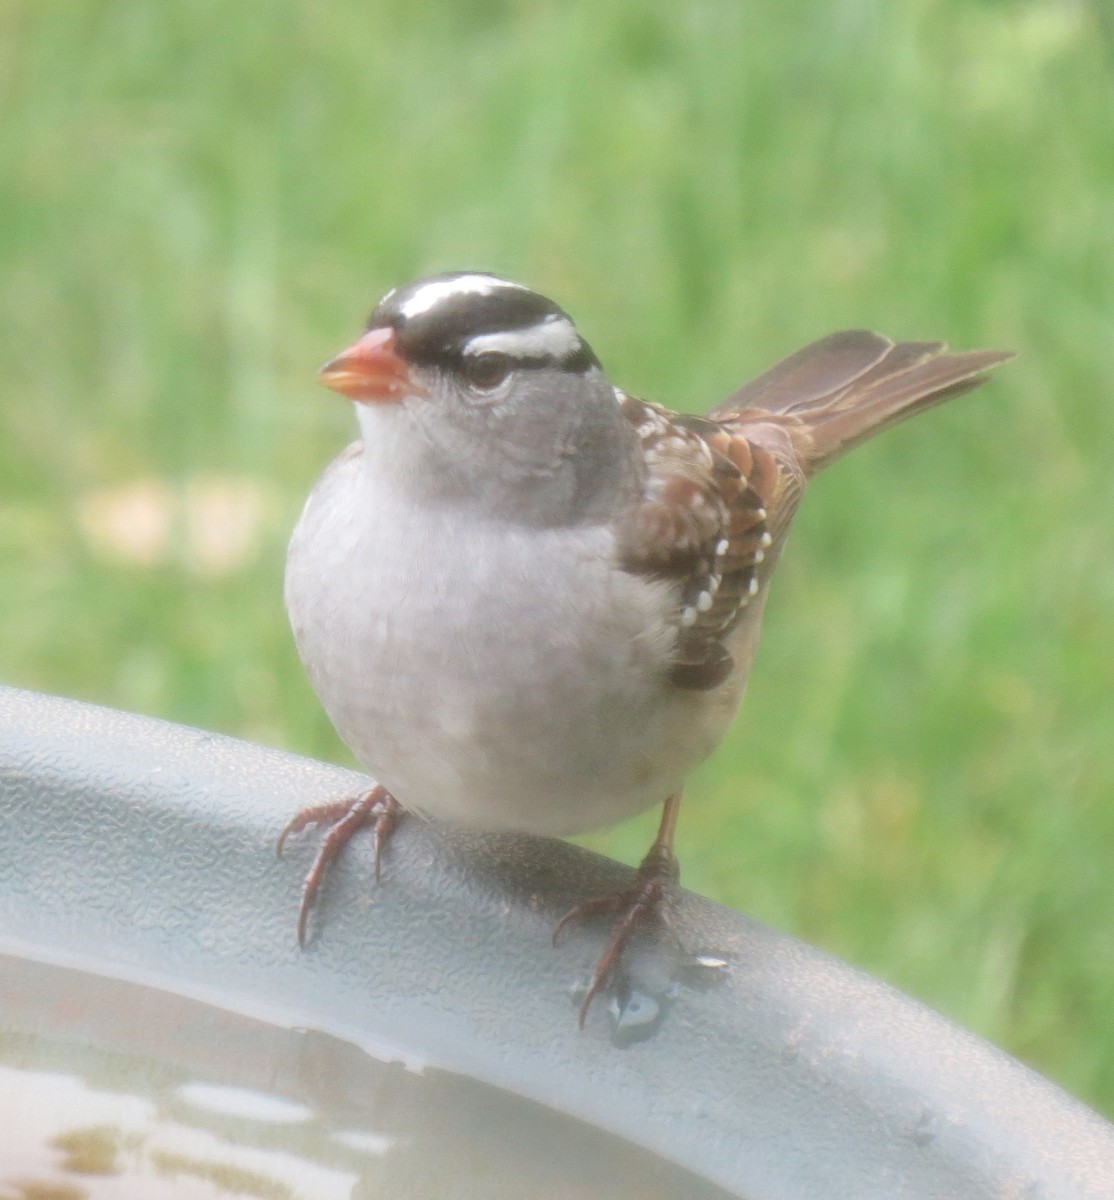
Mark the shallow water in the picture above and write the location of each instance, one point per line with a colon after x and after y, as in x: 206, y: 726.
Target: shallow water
x: 111, y: 1089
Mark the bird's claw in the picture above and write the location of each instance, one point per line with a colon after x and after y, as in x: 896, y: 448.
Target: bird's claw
x: 645, y: 902
x: 343, y: 819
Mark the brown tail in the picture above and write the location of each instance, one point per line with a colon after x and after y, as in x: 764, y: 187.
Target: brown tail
x: 849, y: 386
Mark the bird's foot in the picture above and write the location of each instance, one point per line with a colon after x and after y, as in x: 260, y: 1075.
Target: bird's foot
x: 342, y: 820
x: 645, y: 903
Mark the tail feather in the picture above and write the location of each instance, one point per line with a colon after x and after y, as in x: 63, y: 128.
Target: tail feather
x: 849, y: 386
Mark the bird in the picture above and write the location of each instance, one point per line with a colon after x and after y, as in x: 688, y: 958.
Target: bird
x: 528, y: 600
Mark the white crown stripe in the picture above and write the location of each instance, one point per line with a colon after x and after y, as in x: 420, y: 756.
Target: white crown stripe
x: 463, y: 285
x: 554, y: 338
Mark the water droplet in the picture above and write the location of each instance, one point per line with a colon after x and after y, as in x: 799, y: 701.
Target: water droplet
x: 635, y: 1015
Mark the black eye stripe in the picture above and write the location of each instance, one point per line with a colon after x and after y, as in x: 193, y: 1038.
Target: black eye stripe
x: 579, y: 360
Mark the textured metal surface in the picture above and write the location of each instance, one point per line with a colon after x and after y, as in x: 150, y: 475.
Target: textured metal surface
x: 146, y: 850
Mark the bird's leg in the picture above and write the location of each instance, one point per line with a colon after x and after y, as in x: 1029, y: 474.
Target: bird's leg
x: 343, y: 819
x: 644, y: 903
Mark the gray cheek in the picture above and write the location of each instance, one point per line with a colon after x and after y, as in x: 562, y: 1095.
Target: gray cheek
x: 549, y: 450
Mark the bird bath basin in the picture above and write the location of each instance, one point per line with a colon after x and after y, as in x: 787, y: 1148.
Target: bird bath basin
x: 111, y: 1088
x: 161, y: 1033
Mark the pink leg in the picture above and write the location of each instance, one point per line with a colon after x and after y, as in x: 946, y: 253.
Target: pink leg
x: 643, y: 903
x: 344, y: 819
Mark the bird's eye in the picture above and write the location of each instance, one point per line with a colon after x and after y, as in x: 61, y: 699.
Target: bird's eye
x: 487, y: 371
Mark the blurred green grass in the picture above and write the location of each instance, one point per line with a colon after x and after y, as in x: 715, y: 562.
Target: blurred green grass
x: 199, y: 202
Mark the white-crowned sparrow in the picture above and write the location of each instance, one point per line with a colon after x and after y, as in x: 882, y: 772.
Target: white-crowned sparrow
x: 529, y: 601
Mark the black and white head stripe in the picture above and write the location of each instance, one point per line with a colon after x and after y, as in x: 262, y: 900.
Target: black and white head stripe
x: 442, y: 319
x: 427, y: 294
x: 553, y: 338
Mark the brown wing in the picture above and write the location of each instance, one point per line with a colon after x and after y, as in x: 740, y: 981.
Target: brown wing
x: 703, y: 522
x: 720, y: 491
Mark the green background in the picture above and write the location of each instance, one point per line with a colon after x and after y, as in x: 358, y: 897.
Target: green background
x: 200, y: 201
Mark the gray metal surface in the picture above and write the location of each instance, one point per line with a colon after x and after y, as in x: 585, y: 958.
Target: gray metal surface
x: 146, y: 850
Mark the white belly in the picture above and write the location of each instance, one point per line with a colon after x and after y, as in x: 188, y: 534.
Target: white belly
x: 494, y: 676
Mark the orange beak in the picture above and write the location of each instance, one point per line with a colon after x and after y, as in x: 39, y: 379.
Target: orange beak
x: 371, y: 370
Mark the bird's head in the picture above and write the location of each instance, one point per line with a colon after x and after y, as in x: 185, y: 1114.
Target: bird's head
x: 479, y: 391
